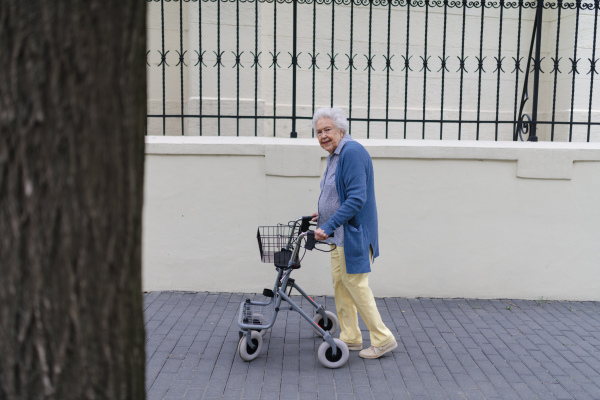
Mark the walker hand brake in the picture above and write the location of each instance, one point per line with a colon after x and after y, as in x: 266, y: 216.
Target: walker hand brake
x: 310, y: 241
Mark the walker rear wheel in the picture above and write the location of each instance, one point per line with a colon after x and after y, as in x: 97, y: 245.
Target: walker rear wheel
x: 332, y: 323
x: 246, y: 352
x: 328, y: 359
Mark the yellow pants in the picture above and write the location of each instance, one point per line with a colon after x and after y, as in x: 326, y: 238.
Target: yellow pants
x: 352, y: 294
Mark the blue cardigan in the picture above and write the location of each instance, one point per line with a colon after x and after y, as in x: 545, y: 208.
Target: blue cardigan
x: 355, y: 185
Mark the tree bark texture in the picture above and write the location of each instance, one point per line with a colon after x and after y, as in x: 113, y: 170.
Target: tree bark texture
x: 72, y: 121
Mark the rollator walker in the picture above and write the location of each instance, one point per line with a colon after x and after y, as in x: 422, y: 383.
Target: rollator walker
x: 281, y: 245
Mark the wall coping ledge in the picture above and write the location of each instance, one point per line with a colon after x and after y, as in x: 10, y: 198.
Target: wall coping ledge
x: 300, y: 157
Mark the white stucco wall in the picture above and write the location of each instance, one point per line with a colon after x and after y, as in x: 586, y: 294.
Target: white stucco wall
x: 466, y: 219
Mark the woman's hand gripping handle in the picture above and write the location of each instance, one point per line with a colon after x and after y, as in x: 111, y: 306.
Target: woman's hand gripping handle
x: 319, y: 233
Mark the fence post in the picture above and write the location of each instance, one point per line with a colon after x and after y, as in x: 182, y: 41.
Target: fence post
x: 294, y: 134
x: 536, y: 75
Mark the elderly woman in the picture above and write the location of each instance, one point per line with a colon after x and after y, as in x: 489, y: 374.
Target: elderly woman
x: 347, y: 208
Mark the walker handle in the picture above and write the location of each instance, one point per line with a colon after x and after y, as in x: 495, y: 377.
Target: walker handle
x: 311, y: 241
x: 305, y: 223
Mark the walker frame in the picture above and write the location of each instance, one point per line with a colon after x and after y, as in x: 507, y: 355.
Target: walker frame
x: 281, y: 245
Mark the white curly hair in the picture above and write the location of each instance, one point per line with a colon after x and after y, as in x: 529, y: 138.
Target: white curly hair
x: 335, y: 114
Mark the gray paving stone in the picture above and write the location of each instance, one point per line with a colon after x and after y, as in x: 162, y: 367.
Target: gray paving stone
x: 452, y: 390
x: 559, y: 391
x: 200, y: 380
x: 326, y: 391
x: 538, y: 387
x: 400, y: 394
x: 363, y: 396
x: 156, y: 393
x: 442, y: 373
x: 178, y: 388
x: 408, y: 372
x: 448, y: 349
x: 510, y: 375
x: 569, y: 384
x: 487, y: 390
x: 464, y: 381
x: 251, y: 391
x: 269, y: 396
x: 415, y: 388
x: 477, y: 374
x: 592, y: 389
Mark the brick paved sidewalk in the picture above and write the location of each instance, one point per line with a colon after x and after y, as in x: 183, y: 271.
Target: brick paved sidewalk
x: 447, y: 349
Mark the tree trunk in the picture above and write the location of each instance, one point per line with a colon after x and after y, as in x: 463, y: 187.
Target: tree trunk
x: 72, y: 121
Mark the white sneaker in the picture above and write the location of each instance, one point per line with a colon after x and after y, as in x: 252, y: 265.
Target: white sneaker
x: 376, y: 352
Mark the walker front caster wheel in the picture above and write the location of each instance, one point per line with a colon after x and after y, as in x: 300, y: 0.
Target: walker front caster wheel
x: 246, y: 352
x: 328, y: 359
x: 332, y: 323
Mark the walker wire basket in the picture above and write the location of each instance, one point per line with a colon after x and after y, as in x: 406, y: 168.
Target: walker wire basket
x: 274, y: 243
x: 257, y: 314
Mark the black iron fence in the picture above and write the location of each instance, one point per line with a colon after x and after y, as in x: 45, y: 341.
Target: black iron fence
x: 482, y: 70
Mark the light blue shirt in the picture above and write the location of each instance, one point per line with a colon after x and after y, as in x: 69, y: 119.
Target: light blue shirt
x: 329, y: 199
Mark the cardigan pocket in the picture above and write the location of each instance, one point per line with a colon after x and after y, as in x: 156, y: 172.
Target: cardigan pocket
x: 356, y: 250
x: 354, y: 240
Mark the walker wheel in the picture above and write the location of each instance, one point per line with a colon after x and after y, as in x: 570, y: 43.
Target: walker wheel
x: 332, y: 323
x: 246, y: 352
x: 329, y: 360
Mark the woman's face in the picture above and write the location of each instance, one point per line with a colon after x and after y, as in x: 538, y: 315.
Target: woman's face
x: 329, y: 136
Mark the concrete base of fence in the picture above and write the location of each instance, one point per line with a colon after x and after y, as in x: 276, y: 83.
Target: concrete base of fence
x: 457, y: 219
